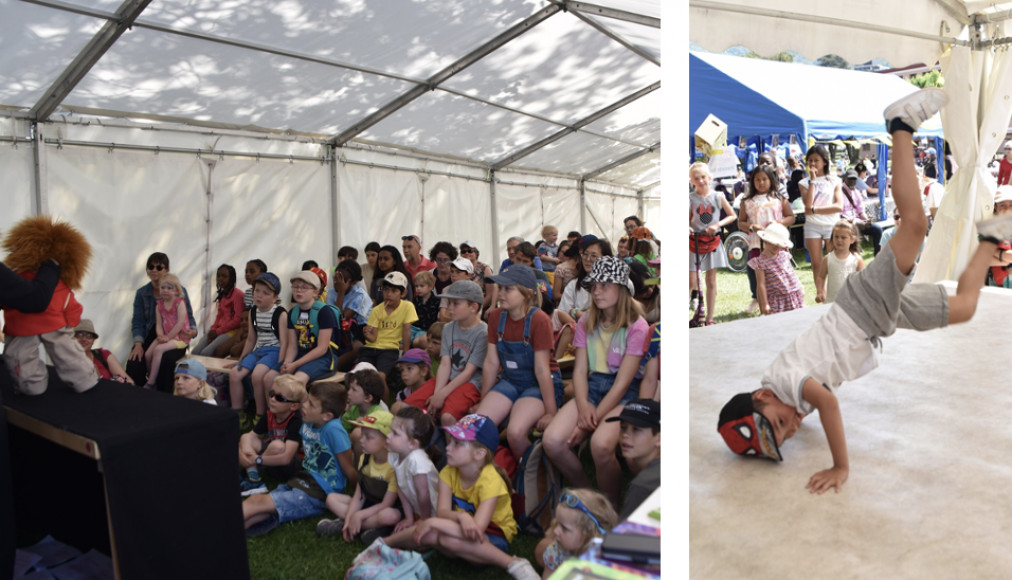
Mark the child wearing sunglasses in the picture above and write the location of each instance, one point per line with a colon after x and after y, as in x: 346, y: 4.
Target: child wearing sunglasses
x: 273, y: 444
x: 580, y: 516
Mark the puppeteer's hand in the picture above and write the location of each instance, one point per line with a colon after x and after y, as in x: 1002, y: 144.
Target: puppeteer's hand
x: 826, y: 479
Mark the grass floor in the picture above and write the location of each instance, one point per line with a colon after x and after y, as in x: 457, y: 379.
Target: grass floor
x: 733, y: 295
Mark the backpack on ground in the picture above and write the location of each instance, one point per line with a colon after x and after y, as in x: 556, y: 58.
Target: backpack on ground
x: 537, y: 486
x: 381, y: 561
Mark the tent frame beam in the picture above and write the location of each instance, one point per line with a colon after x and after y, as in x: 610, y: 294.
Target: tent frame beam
x: 510, y: 159
x: 621, y: 161
x: 87, y: 58
x: 768, y: 12
x: 617, y: 38
x: 597, y: 10
x: 448, y: 72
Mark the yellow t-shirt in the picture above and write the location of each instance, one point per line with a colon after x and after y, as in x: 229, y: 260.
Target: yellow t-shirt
x: 389, y: 326
x: 383, y: 471
x: 489, y: 484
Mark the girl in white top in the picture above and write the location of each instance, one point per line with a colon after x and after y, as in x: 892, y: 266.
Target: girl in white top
x: 823, y: 198
x: 842, y: 261
x: 417, y: 477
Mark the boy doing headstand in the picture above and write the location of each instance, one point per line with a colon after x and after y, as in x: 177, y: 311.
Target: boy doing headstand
x: 872, y: 304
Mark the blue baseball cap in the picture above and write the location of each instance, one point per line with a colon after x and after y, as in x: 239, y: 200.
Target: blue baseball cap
x: 192, y: 367
x: 271, y: 280
x: 516, y: 275
x: 475, y: 428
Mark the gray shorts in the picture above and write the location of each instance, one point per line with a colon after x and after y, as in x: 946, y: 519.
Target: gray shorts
x: 880, y: 299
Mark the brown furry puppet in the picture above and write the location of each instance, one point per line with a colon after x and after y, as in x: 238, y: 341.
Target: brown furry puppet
x: 34, y: 240
x: 29, y: 243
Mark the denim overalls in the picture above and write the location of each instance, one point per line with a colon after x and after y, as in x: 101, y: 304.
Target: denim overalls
x: 516, y: 361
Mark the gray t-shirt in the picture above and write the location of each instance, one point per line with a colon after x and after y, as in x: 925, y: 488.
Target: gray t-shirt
x: 465, y: 346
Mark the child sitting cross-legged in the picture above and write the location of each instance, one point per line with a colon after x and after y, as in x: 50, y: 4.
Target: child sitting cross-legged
x: 327, y: 468
x: 273, y: 444
x: 372, y: 510
x: 474, y: 519
x: 412, y: 458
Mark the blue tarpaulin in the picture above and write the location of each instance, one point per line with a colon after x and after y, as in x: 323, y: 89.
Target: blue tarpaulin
x: 756, y: 97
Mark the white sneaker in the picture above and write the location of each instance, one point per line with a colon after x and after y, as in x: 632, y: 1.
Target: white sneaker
x: 999, y: 228
x: 917, y: 107
x: 752, y: 307
x: 521, y: 569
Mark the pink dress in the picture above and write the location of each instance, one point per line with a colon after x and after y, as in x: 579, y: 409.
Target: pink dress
x: 169, y: 319
x: 783, y: 289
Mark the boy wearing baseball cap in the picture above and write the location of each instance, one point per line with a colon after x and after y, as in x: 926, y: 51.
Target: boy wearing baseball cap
x: 641, y: 448
x: 311, y: 351
x: 266, y: 341
x: 389, y: 327
x: 372, y: 510
x: 457, y: 384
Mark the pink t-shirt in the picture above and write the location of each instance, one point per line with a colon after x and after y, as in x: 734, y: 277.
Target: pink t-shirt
x: 606, y: 349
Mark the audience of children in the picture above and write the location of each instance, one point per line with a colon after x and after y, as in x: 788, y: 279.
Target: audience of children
x: 226, y: 319
x: 843, y: 259
x: 777, y: 285
x: 272, y: 447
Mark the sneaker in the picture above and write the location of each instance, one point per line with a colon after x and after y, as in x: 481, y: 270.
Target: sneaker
x: 752, y: 306
x: 248, y: 488
x: 371, y: 535
x: 998, y: 228
x: 521, y: 569
x: 916, y: 107
x: 332, y: 527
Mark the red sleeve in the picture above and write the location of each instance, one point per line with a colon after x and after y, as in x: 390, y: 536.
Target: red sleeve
x: 543, y: 337
x: 229, y: 312
x: 493, y: 325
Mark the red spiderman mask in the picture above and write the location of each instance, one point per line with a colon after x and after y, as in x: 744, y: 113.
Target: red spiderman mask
x: 746, y: 431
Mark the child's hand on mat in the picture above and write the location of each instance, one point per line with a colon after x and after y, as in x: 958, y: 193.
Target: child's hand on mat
x: 822, y: 481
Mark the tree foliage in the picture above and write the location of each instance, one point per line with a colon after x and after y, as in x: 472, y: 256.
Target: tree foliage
x: 932, y: 78
x: 833, y: 61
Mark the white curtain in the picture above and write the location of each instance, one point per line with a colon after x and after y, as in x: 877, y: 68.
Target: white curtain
x: 979, y: 109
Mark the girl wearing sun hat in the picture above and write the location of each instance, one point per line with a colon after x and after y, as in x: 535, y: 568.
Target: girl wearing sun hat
x: 609, y: 341
x: 777, y: 286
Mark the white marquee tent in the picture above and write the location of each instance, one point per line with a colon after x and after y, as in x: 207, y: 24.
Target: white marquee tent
x: 219, y: 132
x: 967, y: 36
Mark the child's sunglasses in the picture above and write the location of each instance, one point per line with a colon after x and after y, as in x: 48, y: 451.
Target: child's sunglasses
x: 279, y: 397
x: 571, y: 501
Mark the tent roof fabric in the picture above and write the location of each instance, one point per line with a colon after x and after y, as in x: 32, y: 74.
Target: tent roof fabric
x: 480, y: 81
x: 760, y: 97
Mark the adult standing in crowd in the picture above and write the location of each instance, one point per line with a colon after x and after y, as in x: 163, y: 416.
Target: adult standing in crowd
x: 143, y: 328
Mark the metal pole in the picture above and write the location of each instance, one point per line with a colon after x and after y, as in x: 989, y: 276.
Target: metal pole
x: 495, y: 220
x: 40, y: 200
x: 335, y: 206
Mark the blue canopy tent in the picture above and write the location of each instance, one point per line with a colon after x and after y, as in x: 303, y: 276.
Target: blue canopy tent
x: 759, y: 99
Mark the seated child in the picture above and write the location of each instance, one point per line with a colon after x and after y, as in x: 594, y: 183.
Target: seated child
x: 414, y: 368
x: 365, y: 395
x: 434, y: 345
x: 273, y: 444
x: 426, y: 306
x: 328, y: 466
x: 580, y: 516
x: 266, y: 340
x: 641, y: 448
x: 232, y: 347
x: 350, y: 296
x: 549, y: 250
x: 460, y: 269
x: 191, y: 382
x: 311, y: 350
x: 474, y: 519
x: 373, y: 509
x: 389, y: 325
x: 872, y: 304
x: 457, y: 385
x: 171, y: 322
x: 412, y: 458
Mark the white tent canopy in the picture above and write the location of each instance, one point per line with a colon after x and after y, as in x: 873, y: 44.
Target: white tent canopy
x: 219, y: 132
x: 970, y: 34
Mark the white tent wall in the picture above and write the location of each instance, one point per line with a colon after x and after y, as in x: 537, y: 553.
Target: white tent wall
x: 605, y: 211
x: 652, y: 215
x: 16, y: 167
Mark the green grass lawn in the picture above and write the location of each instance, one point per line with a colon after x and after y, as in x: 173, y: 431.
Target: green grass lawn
x: 733, y: 295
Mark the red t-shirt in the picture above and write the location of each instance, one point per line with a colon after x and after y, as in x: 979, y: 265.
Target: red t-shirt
x: 542, y: 337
